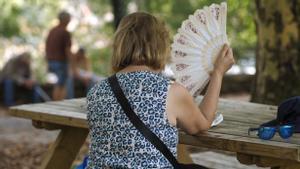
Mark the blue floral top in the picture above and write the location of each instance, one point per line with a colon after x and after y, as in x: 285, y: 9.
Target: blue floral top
x: 115, y: 142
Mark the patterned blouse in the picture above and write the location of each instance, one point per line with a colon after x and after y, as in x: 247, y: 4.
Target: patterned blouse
x: 115, y: 142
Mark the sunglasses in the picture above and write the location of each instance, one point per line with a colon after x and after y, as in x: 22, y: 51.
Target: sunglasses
x: 267, y: 133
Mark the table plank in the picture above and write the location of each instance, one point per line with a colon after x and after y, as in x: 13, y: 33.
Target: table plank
x: 40, y: 112
x: 70, y: 102
x: 241, y: 144
x: 241, y: 129
x: 231, y: 135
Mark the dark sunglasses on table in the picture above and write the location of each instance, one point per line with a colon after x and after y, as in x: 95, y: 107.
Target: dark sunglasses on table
x: 267, y: 133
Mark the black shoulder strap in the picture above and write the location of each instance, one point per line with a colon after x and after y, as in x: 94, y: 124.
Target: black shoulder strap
x: 135, y: 120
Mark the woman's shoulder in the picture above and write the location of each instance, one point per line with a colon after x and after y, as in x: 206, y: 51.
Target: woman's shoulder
x: 178, y: 91
x: 142, y: 75
x: 178, y: 97
x: 139, y: 73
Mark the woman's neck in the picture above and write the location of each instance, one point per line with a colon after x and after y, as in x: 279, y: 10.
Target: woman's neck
x: 133, y: 68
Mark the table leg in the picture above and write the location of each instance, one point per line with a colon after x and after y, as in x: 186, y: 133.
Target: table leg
x: 63, y: 151
x: 183, y: 155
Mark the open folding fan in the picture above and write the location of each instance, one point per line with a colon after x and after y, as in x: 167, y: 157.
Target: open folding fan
x: 196, y: 46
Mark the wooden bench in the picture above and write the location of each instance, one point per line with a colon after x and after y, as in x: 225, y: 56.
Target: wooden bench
x: 230, y: 135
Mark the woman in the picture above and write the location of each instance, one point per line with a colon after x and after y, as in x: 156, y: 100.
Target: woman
x: 81, y: 72
x: 82, y: 67
x: 140, y: 53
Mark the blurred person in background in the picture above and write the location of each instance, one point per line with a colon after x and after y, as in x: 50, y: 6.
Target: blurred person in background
x: 81, y: 72
x: 82, y: 68
x: 58, y: 54
x: 17, y: 73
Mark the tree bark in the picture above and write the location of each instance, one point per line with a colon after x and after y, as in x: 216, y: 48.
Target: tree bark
x: 278, y: 50
x: 119, y: 10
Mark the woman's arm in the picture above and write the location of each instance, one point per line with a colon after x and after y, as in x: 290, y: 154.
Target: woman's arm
x: 181, y: 105
x: 183, y: 112
x: 209, y: 103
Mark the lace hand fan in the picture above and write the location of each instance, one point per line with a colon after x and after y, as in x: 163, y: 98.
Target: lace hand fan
x: 196, y: 46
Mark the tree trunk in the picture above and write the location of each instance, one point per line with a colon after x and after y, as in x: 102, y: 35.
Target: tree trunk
x: 278, y: 50
x: 119, y: 10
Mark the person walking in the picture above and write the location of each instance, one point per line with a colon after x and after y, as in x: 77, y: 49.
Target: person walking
x: 58, y: 54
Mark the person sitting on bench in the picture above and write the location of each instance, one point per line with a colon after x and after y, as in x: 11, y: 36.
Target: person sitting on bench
x: 81, y: 72
x: 17, y: 73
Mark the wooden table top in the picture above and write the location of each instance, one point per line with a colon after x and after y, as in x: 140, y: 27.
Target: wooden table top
x: 230, y: 135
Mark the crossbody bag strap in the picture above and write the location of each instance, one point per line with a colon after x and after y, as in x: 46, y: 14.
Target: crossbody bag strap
x: 135, y: 120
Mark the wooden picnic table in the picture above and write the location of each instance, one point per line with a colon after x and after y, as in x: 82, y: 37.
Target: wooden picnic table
x: 231, y: 135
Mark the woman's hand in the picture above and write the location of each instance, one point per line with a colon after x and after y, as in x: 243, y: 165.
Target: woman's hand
x: 224, y: 61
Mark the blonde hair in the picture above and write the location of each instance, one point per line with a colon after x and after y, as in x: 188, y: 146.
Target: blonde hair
x: 141, y: 39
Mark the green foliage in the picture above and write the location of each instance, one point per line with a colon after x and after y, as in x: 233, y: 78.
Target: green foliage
x: 9, y: 14
x: 240, y: 19
x: 101, y: 60
x: 31, y: 20
x: 241, y: 27
x: 100, y: 6
x: 240, y: 24
x: 24, y: 18
x: 38, y: 14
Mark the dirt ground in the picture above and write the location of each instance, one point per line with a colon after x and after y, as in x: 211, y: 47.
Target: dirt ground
x: 22, y: 146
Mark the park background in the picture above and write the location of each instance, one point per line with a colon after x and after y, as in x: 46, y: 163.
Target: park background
x: 264, y: 35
